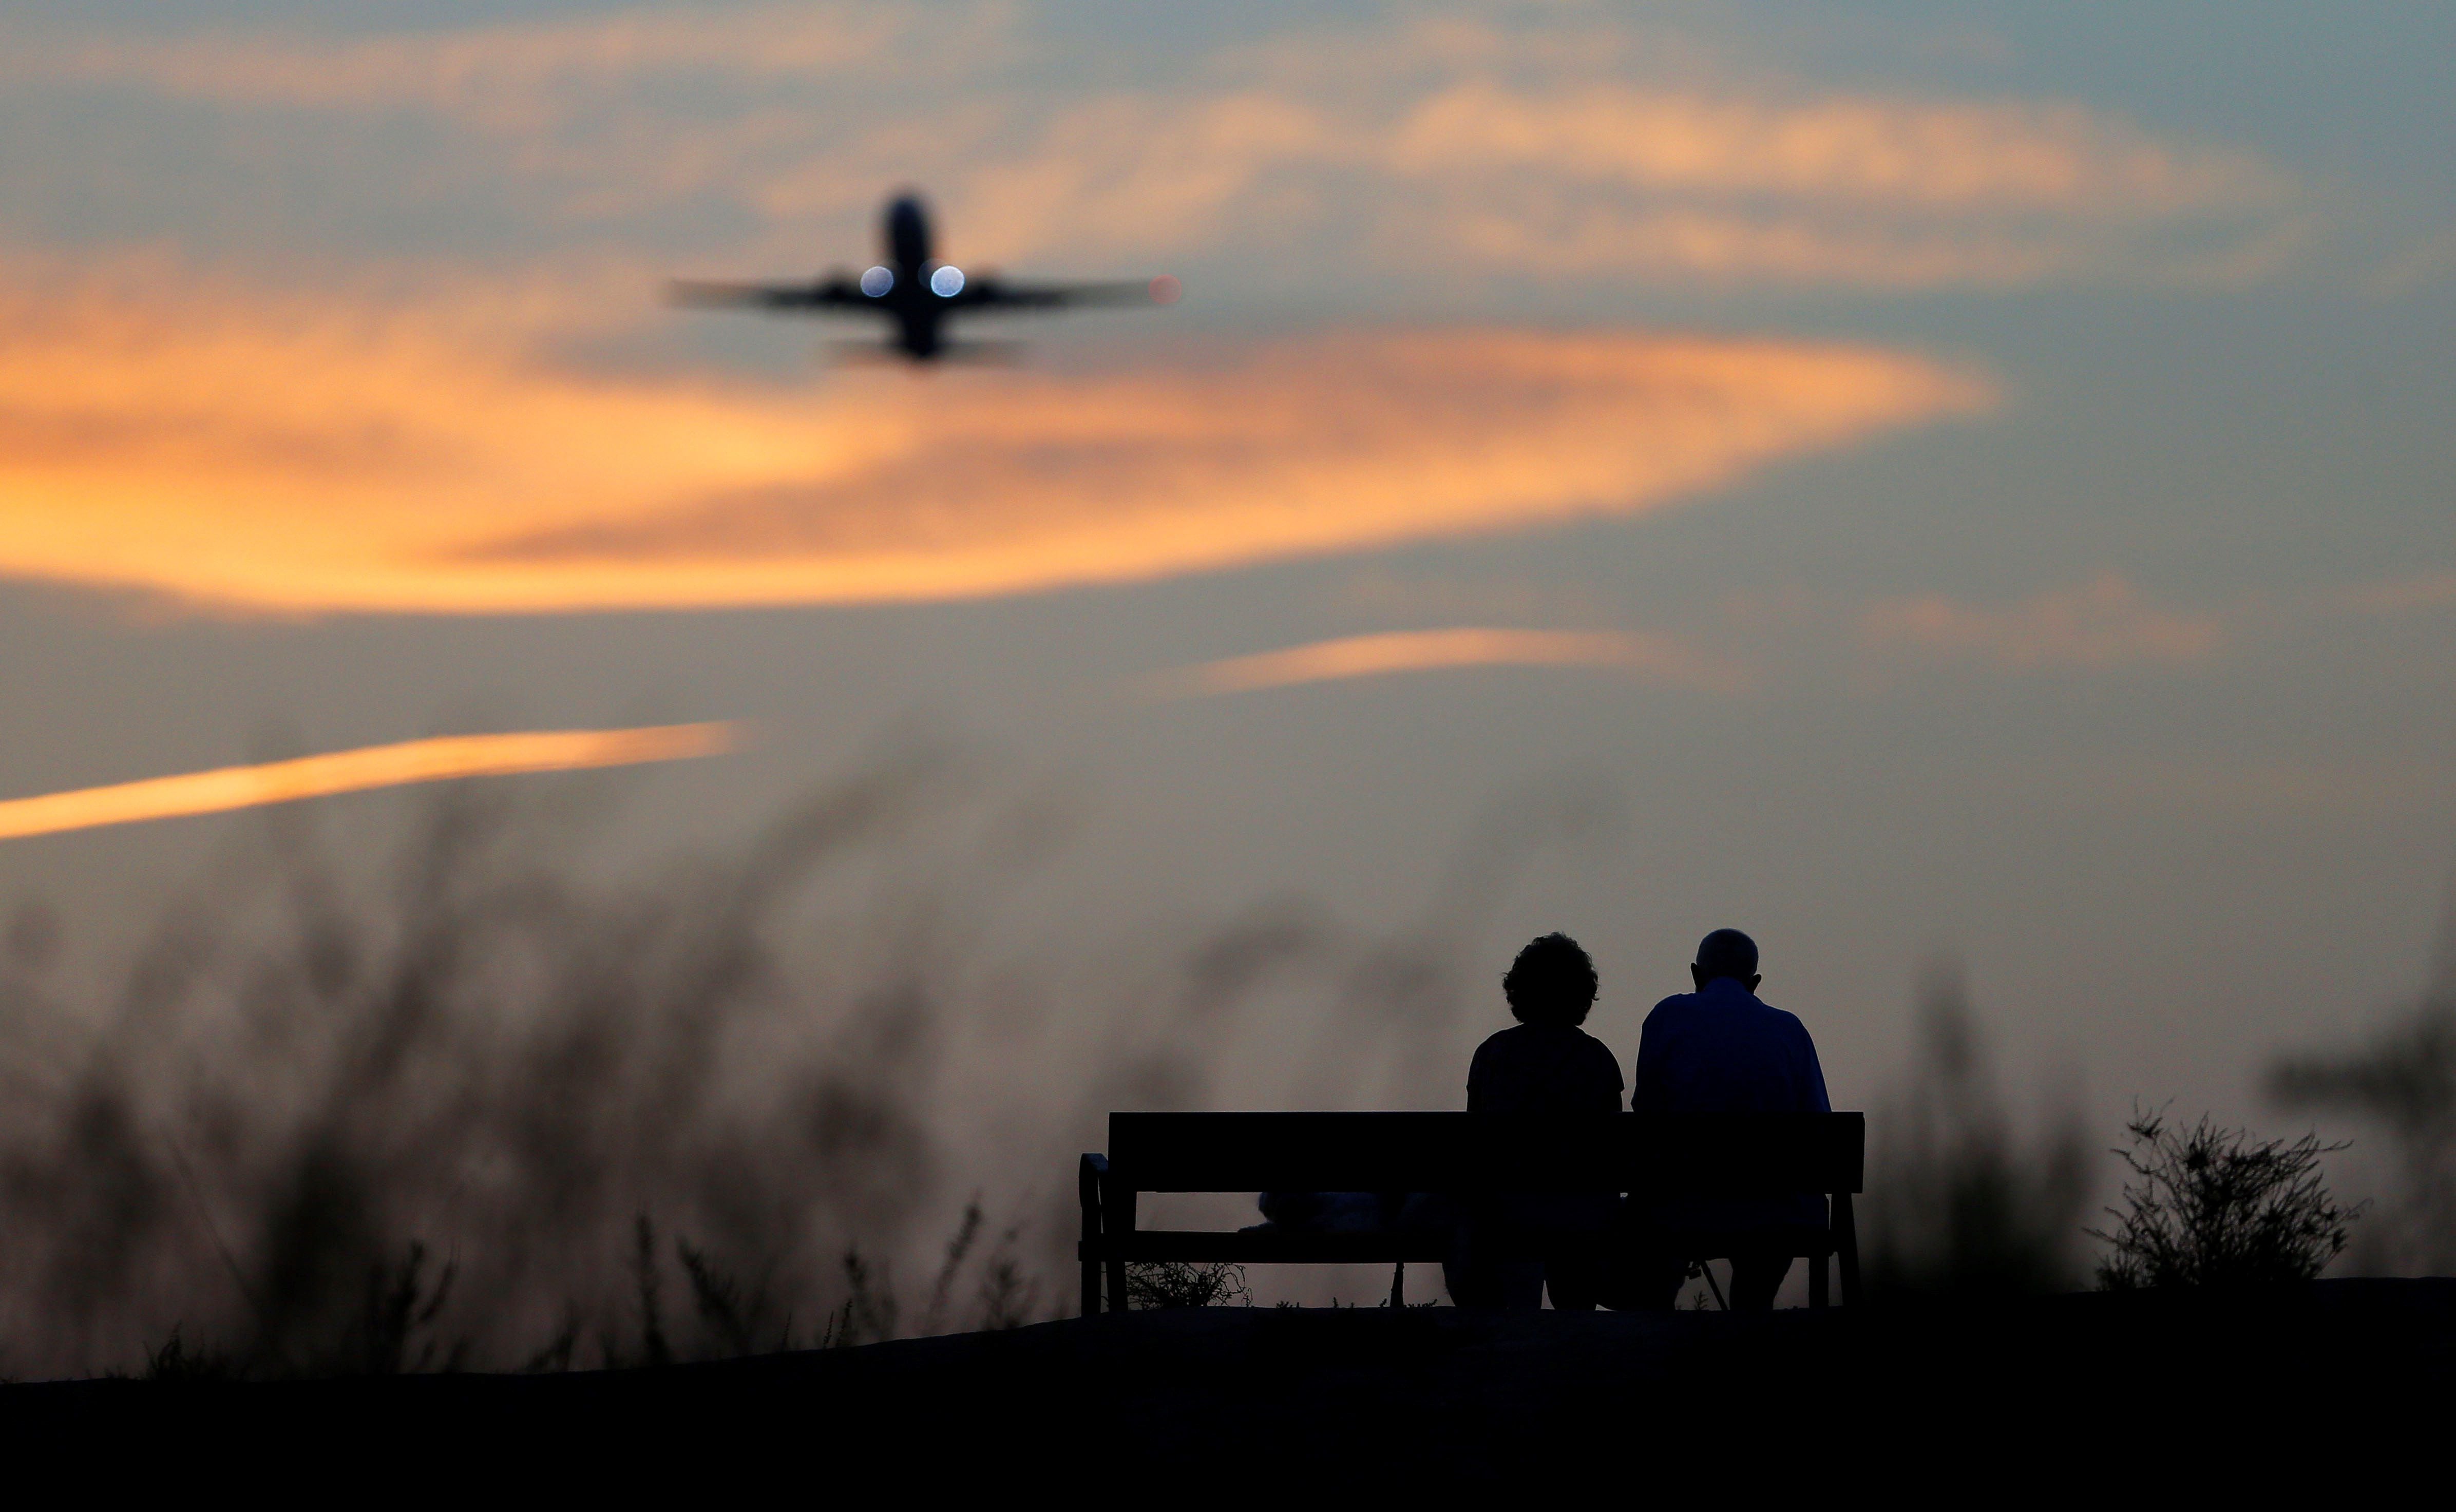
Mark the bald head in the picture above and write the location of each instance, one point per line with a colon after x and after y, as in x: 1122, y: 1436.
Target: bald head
x: 1726, y: 952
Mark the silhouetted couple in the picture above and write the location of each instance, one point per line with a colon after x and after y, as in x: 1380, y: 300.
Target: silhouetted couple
x: 1719, y: 1049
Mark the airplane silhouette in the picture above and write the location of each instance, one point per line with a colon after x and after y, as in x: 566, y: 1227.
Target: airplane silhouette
x: 916, y: 292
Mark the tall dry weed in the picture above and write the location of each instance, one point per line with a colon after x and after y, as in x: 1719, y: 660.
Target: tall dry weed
x: 1960, y: 1204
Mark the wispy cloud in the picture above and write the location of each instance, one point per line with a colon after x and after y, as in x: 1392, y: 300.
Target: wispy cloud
x: 1552, y: 146
x: 417, y: 760
x: 298, y: 455
x: 2416, y: 266
x: 1812, y: 188
x: 2358, y: 784
x: 1852, y: 148
x: 1656, y: 657
x: 2416, y: 593
x: 2104, y: 622
x: 509, y: 75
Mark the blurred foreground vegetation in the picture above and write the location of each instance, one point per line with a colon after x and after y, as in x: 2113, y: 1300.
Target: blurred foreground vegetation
x: 491, y: 1116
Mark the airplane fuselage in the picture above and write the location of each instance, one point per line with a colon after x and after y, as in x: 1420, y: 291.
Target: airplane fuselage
x: 917, y: 291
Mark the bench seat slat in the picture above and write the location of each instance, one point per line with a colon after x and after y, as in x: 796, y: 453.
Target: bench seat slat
x: 1721, y: 1154
x: 1297, y: 1247
x: 1261, y: 1249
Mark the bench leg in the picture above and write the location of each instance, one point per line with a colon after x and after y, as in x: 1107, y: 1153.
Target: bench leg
x: 1399, y: 1286
x: 1816, y: 1297
x: 1845, y: 1247
x: 1117, y: 1217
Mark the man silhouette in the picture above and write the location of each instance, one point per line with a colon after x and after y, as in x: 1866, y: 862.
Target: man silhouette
x: 1721, y: 1050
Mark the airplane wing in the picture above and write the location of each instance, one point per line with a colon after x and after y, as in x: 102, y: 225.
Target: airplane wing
x: 990, y: 291
x: 826, y: 297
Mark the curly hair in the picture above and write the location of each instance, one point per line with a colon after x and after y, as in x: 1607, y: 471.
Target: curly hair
x: 1551, y: 982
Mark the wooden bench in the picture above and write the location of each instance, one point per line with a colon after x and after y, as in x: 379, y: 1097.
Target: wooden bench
x: 1467, y: 1156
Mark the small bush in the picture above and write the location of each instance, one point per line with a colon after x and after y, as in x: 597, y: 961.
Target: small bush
x: 2215, y: 1207
x: 1181, y: 1283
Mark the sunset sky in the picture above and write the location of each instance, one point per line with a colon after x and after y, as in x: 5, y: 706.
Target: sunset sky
x: 1926, y: 481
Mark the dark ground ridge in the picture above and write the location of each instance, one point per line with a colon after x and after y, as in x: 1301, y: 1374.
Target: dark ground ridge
x: 2333, y: 1379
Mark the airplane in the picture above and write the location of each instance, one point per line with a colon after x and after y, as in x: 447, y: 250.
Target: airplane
x: 915, y: 292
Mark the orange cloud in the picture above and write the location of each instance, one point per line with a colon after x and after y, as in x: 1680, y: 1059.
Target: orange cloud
x: 417, y: 761
x: 301, y: 456
x: 2104, y: 622
x: 1431, y: 650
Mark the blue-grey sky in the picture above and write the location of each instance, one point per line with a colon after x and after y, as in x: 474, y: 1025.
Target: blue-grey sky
x: 1983, y: 472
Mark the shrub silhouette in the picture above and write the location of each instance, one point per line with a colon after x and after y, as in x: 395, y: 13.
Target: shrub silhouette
x: 2214, y: 1208
x: 1183, y: 1283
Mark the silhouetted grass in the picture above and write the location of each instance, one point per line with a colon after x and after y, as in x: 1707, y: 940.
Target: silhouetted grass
x: 640, y: 1121
x: 2402, y: 1080
x: 958, y: 1248
x: 1959, y: 1205
x: 1007, y: 1298
x: 648, y: 1283
x: 174, y: 1360
x: 305, y: 1090
x: 397, y: 1332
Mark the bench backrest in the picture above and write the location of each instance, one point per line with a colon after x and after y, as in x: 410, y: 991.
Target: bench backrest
x: 1723, y: 1154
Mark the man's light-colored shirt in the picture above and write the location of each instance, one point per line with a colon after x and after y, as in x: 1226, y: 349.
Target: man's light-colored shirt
x: 1723, y: 1050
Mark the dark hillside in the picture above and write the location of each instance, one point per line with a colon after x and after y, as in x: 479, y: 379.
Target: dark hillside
x: 2092, y: 1393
